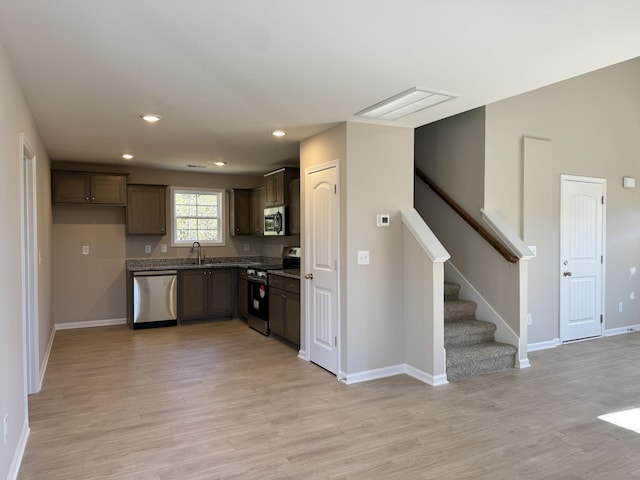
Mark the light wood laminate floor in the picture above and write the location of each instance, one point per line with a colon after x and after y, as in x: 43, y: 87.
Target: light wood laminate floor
x: 219, y: 400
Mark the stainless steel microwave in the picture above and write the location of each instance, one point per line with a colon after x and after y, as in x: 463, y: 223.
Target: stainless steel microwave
x: 275, y: 220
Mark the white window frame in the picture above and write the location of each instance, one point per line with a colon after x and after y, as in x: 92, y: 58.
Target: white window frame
x: 221, y: 216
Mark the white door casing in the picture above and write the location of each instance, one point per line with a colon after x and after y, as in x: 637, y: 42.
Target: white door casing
x: 29, y: 268
x: 322, y: 253
x: 582, y: 220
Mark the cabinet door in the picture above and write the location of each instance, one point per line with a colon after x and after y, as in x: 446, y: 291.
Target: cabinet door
x: 240, y: 212
x: 243, y: 298
x: 193, y: 294
x: 146, y: 210
x: 278, y: 179
x: 292, y: 315
x: 294, y: 207
x: 109, y: 189
x: 270, y: 186
x: 276, y: 311
x: 70, y: 187
x: 256, y: 209
x: 221, y: 293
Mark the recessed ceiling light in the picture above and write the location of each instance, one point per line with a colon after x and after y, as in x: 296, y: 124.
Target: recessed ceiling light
x: 220, y: 164
x: 127, y: 156
x: 150, y: 117
x: 278, y: 133
x: 405, y: 103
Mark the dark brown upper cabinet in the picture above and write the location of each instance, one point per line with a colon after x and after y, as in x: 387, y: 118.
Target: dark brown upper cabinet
x: 146, y: 209
x: 277, y: 186
x: 82, y: 188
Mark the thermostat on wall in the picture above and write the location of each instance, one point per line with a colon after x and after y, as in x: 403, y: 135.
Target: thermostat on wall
x: 382, y: 219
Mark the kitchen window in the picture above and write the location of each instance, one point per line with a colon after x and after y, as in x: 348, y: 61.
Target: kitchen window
x: 197, y: 215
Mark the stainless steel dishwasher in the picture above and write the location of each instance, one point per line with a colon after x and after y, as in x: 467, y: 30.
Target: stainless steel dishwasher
x: 155, y: 298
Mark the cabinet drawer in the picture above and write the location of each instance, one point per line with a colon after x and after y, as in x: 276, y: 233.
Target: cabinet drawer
x: 287, y: 284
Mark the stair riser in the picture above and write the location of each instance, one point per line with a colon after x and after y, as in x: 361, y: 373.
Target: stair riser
x: 454, y: 312
x: 451, y: 291
x: 482, y: 367
x: 465, y: 340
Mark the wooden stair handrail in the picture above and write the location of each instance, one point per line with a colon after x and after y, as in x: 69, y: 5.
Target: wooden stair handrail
x: 484, y: 233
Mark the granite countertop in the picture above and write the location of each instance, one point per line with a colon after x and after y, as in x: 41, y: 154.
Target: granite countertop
x: 150, y: 264
x: 289, y: 273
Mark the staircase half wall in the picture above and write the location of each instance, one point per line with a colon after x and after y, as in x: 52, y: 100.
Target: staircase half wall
x: 424, y: 258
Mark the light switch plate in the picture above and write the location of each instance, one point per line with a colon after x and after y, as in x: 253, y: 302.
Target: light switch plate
x: 147, y: 249
x: 85, y: 249
x: 163, y: 248
x: 363, y: 257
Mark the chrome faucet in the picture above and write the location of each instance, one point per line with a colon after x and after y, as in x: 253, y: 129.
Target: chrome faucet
x: 193, y: 247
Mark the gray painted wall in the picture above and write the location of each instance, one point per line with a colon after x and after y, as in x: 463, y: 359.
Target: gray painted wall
x: 376, y: 172
x: 451, y: 153
x: 379, y: 175
x: 592, y: 122
x: 15, y: 119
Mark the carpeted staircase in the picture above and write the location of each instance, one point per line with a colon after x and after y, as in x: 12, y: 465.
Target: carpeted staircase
x: 470, y: 344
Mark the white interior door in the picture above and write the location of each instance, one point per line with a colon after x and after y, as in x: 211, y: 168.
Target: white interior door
x: 581, y: 257
x: 322, y: 218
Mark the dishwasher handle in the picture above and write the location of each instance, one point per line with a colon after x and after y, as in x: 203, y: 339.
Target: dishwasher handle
x: 154, y: 273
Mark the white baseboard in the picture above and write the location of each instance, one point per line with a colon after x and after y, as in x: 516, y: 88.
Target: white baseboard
x: 401, y: 369
x: 19, y: 452
x: 434, y: 381
x: 302, y: 354
x: 621, y: 330
x: 532, y: 347
x: 374, y: 374
x: 45, y: 360
x: 91, y: 323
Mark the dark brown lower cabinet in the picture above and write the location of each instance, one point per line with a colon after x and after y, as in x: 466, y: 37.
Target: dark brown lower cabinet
x: 243, y: 293
x: 206, y: 293
x: 284, y: 308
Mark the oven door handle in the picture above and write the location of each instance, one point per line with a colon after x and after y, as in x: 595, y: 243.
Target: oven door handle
x: 258, y: 281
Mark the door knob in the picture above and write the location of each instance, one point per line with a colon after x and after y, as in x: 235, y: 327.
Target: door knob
x: 566, y: 274
x: 309, y: 276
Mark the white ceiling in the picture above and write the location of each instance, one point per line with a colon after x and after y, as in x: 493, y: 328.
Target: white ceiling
x: 224, y: 73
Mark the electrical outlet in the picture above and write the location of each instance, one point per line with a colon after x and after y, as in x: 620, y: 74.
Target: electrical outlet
x: 632, y: 296
x: 163, y: 248
x: 147, y: 249
x: 529, y: 319
x: 247, y: 247
x: 85, y: 249
x: 620, y: 307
